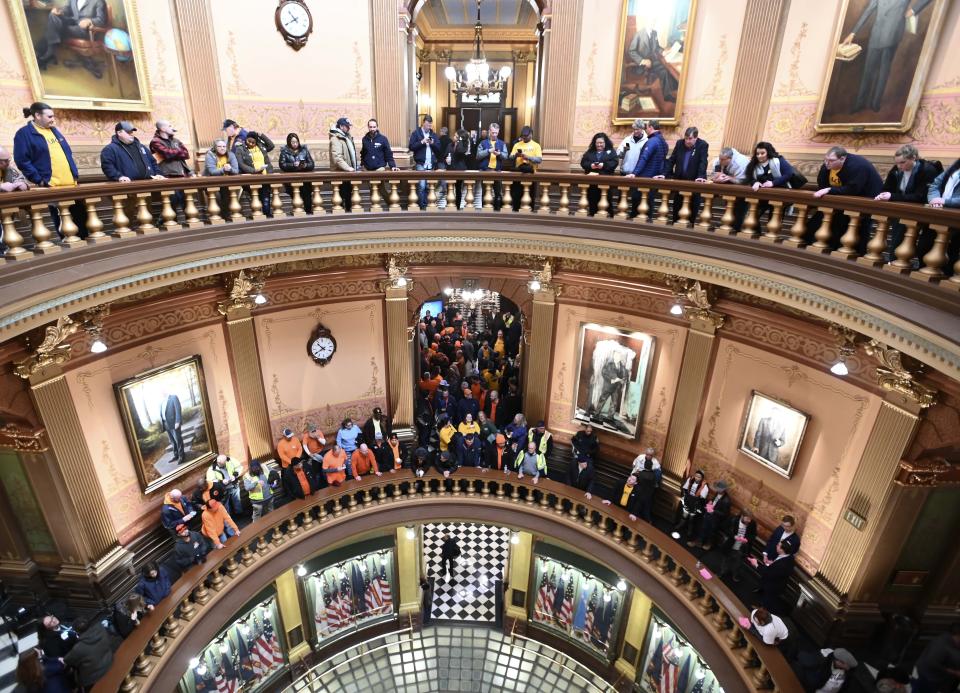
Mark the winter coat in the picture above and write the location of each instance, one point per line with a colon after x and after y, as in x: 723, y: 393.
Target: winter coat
x: 245, y: 159
x: 375, y: 152
x: 290, y: 160
x: 172, y: 156
x: 483, y: 154
x: 92, y: 656
x: 653, y: 157
x: 210, y: 169
x: 186, y: 554
x: 116, y: 161
x: 922, y: 175
x: 32, y: 156
x: 154, y: 591
x: 419, y: 149
x: 343, y: 152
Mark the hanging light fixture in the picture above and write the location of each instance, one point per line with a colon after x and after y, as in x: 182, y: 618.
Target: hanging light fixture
x: 475, y: 79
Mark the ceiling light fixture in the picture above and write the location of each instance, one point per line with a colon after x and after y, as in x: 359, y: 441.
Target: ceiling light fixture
x: 535, y: 285
x: 98, y: 346
x: 676, y: 309
x: 194, y: 662
x: 301, y: 571
x: 475, y: 79
x: 259, y: 299
x: 840, y: 368
x: 411, y: 533
x: 515, y: 538
x: 622, y: 585
x: 846, y: 348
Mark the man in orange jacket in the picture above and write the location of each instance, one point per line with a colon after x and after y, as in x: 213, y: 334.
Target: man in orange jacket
x: 218, y: 526
x: 335, y: 466
x: 288, y: 448
x: 363, y: 461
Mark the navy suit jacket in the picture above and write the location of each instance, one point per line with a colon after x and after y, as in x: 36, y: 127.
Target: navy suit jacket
x: 697, y: 168
x: 771, y: 548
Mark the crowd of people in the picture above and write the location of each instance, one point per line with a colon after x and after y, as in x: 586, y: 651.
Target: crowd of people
x: 43, y: 158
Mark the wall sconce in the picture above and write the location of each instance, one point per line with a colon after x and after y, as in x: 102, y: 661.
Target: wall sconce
x: 396, y: 274
x: 622, y: 585
x: 92, y: 323
x: 411, y: 532
x: 542, y: 279
x: 515, y: 538
x: 301, y: 571
x: 846, y: 347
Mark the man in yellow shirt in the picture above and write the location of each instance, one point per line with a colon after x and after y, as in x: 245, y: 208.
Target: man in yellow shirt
x: 526, y: 156
x: 254, y: 158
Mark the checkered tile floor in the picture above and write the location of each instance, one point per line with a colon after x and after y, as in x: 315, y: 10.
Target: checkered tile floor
x: 468, y: 595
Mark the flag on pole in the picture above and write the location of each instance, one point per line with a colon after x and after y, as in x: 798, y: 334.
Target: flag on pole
x: 376, y: 585
x: 272, y: 641
x: 259, y: 668
x: 230, y: 677
x: 664, y: 668
x: 323, y: 599
x: 370, y: 601
x: 541, y: 610
x: 383, y: 585
x: 245, y: 660
x: 263, y: 648
x: 566, y: 609
x: 591, y: 606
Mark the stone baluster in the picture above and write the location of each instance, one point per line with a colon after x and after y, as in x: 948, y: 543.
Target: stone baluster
x: 558, y: 506
x: 678, y: 574
x: 663, y: 563
x: 41, y: 234
x: 848, y: 242
x: 507, y: 202
x: 705, y: 219
x: 936, y: 257
x: 413, y: 203
x: 431, y: 195
x: 720, y: 619
x: 727, y: 218
x: 663, y: 211
x: 515, y: 493
x: 190, y: 211
x: 735, y: 639
x: 234, y: 206
x: 587, y: 517
x: 488, y: 196
x: 263, y: 546
x: 376, y: 201
x: 468, y: 196
x: 157, y: 645
x: 276, y: 202
x: 278, y: 537
x: 693, y: 588
x: 69, y: 230
x: 318, y: 208
x: 564, y: 208
x: 485, y: 488
x: 772, y: 232
x: 121, y: 222
x: 526, y: 201
x: 583, y: 204
x: 141, y: 667
x: 352, y: 502
x: 200, y: 594
x: 499, y: 493
x: 95, y: 224
x: 216, y: 580
x: 11, y: 237
x: 683, y: 216
x: 750, y: 219
x: 168, y: 214
x: 544, y: 207
x: 296, y: 201
x: 648, y: 551
x: 877, y: 245
x: 799, y: 228
x: 623, y: 204
x: 907, y: 249
x: 603, y: 205
x: 634, y: 544
x: 172, y: 627
x: 337, y: 198
x: 355, y: 205
x: 706, y: 603
x: 394, y: 195
x: 231, y: 567
x: 187, y: 610
x: 246, y: 556
x: 761, y: 678
x: 821, y: 239
x: 748, y: 657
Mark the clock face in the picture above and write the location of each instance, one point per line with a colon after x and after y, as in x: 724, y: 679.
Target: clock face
x: 322, y: 348
x: 295, y: 19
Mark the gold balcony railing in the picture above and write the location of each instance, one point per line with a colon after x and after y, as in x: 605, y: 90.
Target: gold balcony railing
x: 155, y: 656
x: 117, y: 211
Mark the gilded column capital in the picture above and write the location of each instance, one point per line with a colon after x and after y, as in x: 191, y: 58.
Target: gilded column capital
x: 397, y: 284
x: 542, y: 285
x: 52, y: 351
x: 246, y: 292
x: 894, y: 376
x: 20, y: 436
x: 696, y: 303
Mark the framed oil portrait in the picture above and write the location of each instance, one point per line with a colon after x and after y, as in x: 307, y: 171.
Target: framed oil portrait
x: 772, y: 433
x: 167, y: 420
x: 652, y: 60
x: 881, y: 54
x: 82, y: 54
x: 612, y: 375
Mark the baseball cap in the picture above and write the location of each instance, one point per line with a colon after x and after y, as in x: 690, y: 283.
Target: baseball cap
x: 343, y: 121
x: 287, y: 433
x: 124, y: 125
x: 228, y: 122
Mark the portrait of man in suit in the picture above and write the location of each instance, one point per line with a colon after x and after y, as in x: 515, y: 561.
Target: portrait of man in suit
x: 171, y: 416
x: 772, y: 433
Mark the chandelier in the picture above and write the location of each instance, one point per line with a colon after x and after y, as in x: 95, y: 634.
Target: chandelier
x: 476, y: 79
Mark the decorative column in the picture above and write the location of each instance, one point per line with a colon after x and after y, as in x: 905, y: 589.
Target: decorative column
x: 870, y: 497
x: 561, y: 54
x: 82, y: 510
x: 23, y: 536
x: 196, y: 48
x: 638, y: 622
x: 536, y: 388
x: 291, y: 615
x: 409, y: 572
x: 392, y: 86
x: 694, y: 368
x: 755, y: 72
x: 245, y: 360
x: 518, y: 576
x: 399, y: 338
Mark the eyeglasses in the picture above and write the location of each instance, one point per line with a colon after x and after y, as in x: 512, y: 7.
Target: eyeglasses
x: 828, y: 160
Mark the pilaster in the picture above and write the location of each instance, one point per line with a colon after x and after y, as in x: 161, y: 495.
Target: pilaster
x: 391, y: 74
x: 408, y: 571
x: 561, y: 53
x: 288, y: 602
x: 536, y: 391
x: 518, y: 574
x: 635, y: 631
x: 755, y: 72
x: 400, y: 372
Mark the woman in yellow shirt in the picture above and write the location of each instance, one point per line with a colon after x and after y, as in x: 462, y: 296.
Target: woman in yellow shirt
x: 468, y: 425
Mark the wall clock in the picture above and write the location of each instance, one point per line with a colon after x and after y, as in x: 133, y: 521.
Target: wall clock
x: 322, y: 346
x: 294, y: 22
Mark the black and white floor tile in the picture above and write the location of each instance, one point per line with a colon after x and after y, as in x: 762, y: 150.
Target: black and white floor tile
x: 470, y: 593
x: 10, y: 649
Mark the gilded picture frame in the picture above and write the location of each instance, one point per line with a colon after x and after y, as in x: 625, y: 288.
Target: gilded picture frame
x: 613, y: 374
x: 772, y: 433
x: 875, y: 79
x: 652, y: 66
x: 166, y: 417
x: 98, y: 66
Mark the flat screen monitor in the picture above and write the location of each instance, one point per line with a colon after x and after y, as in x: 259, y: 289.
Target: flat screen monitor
x: 435, y: 308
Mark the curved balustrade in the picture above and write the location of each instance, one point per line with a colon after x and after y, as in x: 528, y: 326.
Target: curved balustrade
x: 556, y: 195
x: 155, y: 656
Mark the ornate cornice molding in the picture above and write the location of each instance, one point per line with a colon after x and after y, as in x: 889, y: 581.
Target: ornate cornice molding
x: 893, y: 375
x: 52, y: 351
x: 871, y: 321
x: 927, y: 473
x: 698, y: 303
x: 245, y: 289
x: 18, y: 437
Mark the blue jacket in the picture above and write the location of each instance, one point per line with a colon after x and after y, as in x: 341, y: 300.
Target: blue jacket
x: 858, y: 178
x: 483, y: 154
x: 419, y: 149
x: 467, y: 406
x: 375, y: 152
x: 469, y: 455
x: 33, y: 157
x: 116, y: 162
x: 170, y: 515
x: 939, y: 184
x: 653, y: 157
x: 697, y: 168
x: 775, y: 538
x: 153, y: 591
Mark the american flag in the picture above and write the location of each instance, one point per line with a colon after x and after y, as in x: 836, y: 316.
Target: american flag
x: 346, y: 600
x: 698, y: 686
x: 272, y: 641
x: 229, y: 673
x: 375, y: 586
x: 588, y: 624
x: 266, y: 646
x: 259, y: 668
x: 371, y: 602
x: 383, y: 586
x: 544, y: 598
x: 320, y: 617
x: 566, y: 609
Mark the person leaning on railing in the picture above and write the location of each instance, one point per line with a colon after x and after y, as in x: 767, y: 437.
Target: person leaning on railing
x: 908, y: 181
x: 843, y: 173
x: 527, y: 156
x: 44, y: 156
x: 944, y: 191
x: 126, y: 159
x: 254, y: 158
x: 688, y: 161
x: 376, y: 153
x: 767, y: 169
x: 295, y: 158
x: 221, y: 161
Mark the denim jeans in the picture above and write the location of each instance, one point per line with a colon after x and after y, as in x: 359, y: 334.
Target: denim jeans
x: 227, y: 533
x: 422, y: 189
x: 348, y: 463
x: 232, y: 501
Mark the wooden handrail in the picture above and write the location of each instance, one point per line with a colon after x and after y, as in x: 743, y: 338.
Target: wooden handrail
x: 154, y: 656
